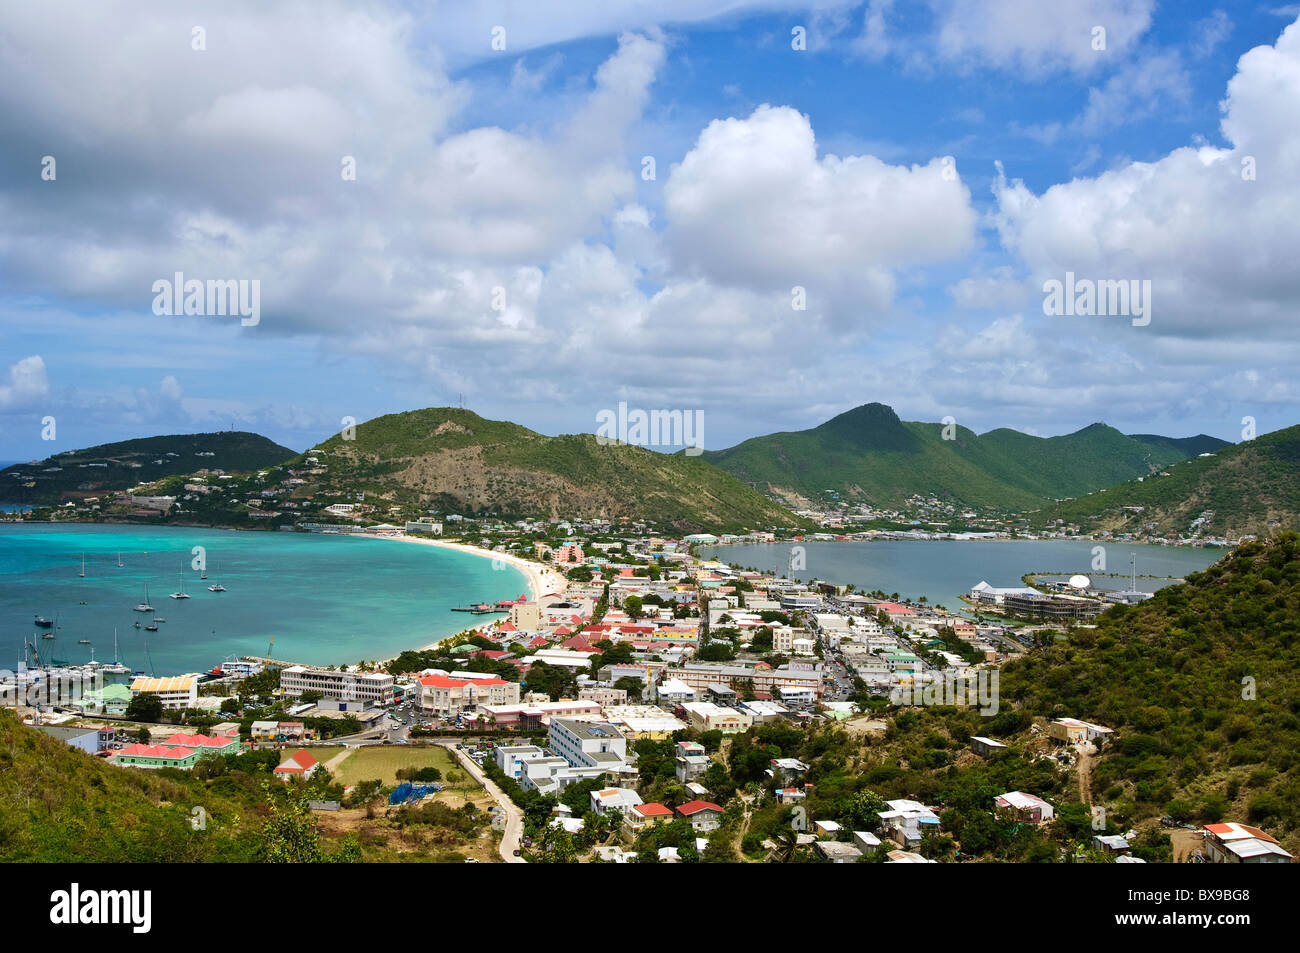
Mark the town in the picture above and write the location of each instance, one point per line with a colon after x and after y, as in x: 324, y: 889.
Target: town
x: 655, y: 704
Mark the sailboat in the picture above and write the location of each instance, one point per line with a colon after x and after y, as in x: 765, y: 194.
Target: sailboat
x: 144, y: 606
x: 119, y: 559
x: 216, y: 586
x: 182, y: 594
x: 83, y: 565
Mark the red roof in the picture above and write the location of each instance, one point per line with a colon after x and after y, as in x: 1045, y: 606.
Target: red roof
x: 506, y: 627
x: 694, y: 807
x: 297, y: 763
x: 653, y: 810
x: 156, y: 751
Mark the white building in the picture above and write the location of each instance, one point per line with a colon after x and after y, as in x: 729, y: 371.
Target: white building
x: 176, y: 691
x: 373, y: 687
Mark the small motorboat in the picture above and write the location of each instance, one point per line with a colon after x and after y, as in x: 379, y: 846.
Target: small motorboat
x: 44, y: 623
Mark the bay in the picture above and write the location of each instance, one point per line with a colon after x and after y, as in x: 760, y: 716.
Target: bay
x: 327, y: 599
x: 944, y: 570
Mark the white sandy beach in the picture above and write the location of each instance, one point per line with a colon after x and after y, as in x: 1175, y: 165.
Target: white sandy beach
x: 541, y: 579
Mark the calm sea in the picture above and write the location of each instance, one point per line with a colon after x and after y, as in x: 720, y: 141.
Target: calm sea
x: 326, y: 599
x: 943, y: 570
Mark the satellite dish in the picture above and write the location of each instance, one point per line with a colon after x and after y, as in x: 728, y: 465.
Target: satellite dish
x: 1080, y: 582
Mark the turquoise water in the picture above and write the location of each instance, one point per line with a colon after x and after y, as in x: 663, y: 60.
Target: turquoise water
x: 943, y: 570
x: 326, y: 599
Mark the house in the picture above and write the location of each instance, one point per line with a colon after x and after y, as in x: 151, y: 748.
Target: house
x: 1026, y: 807
x: 703, y: 815
x: 786, y: 770
x: 907, y: 857
x: 986, y: 747
x: 865, y: 841
x: 1234, y: 843
x: 614, y: 799
x: 642, y: 816
x: 828, y: 829
x: 837, y: 852
x: 691, y: 760
x: 300, y: 764
x: 906, y: 822
x: 1073, y: 731
x: 1112, y: 843
x: 207, y: 747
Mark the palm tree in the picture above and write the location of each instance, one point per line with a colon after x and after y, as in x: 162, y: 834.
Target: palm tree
x: 787, y: 843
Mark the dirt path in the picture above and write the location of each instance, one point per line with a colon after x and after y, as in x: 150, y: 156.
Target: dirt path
x: 1086, y: 758
x: 333, y: 763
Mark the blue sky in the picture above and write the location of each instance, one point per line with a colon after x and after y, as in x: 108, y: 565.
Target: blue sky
x: 520, y: 169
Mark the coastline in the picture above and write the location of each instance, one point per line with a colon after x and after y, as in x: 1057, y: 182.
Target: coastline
x: 541, y: 579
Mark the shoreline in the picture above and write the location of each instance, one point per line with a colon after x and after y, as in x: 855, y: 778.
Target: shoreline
x: 541, y: 579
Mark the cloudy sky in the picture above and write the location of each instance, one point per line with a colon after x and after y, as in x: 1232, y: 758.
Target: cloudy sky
x: 617, y: 205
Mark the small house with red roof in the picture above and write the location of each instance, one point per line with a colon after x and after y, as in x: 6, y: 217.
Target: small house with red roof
x: 641, y: 816
x: 300, y: 764
x: 703, y: 815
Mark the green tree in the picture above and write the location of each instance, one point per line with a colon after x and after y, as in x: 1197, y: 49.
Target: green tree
x: 145, y: 707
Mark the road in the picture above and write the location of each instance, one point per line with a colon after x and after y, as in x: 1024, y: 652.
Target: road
x: 514, y: 816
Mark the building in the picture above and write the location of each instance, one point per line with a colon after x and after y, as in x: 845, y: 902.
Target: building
x: 176, y: 692
x: 373, y: 687
x: 838, y: 852
x: 587, y: 744
x: 535, y: 714
x: 642, y: 816
x: 510, y: 758
x: 602, y: 696
x: 614, y: 799
x: 449, y: 695
x: 704, y: 815
x: 986, y: 747
x: 1234, y: 843
x: 766, y: 682
x: 300, y: 764
x: 1073, y: 731
x: 1026, y: 807
x: 643, y: 721
x: 906, y: 822
x: 156, y: 756
x: 83, y: 739
x: 710, y: 717
x: 1052, y: 606
x: 691, y: 759
x: 207, y: 746
x: 281, y: 731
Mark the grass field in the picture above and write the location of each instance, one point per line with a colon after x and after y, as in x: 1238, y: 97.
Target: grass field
x: 381, y: 762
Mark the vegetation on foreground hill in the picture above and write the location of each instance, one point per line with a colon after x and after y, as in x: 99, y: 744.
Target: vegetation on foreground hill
x: 58, y: 804
x: 1201, y: 684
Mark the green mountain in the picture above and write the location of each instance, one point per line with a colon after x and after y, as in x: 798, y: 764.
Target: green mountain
x: 455, y: 460
x: 76, y: 474
x: 1250, y: 487
x: 868, y: 455
x: 1200, y: 685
